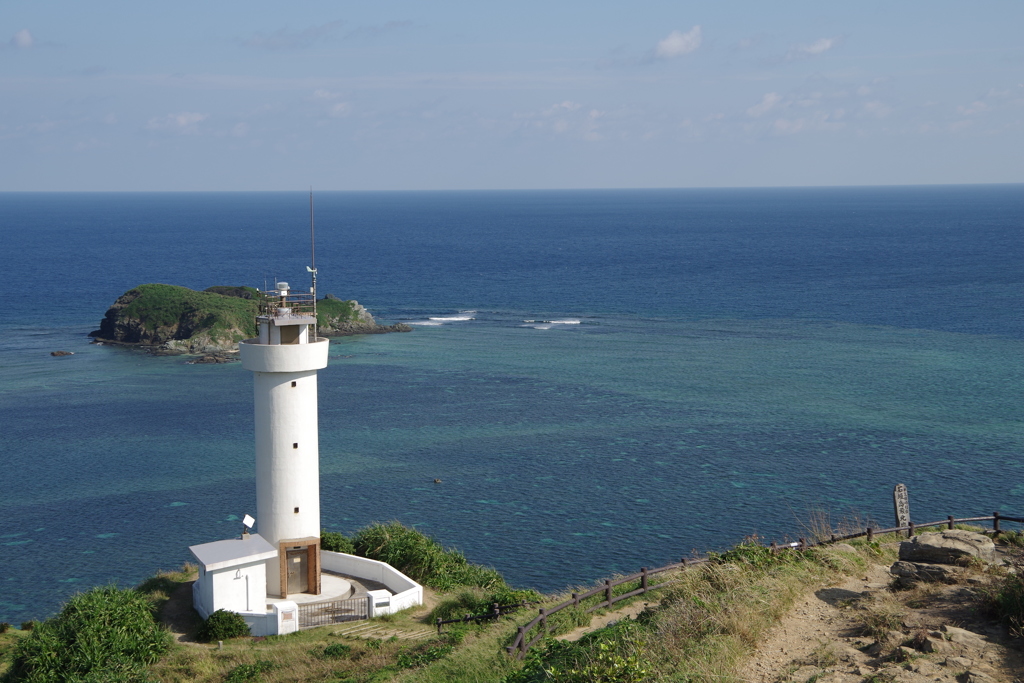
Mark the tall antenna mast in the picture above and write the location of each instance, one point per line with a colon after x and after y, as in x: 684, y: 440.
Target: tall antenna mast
x: 312, y: 256
x: 312, y: 239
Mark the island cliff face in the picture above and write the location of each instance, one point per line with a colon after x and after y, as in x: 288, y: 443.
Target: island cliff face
x: 337, y: 318
x: 169, y: 319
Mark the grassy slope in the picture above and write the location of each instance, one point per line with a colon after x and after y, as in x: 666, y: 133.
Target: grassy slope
x: 708, y: 620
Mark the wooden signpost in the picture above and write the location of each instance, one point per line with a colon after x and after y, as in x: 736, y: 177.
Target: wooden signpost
x: 901, y: 506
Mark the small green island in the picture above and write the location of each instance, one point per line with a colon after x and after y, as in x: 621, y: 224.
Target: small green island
x: 171, y: 320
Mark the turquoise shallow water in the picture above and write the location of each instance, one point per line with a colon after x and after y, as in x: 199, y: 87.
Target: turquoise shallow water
x: 661, y: 422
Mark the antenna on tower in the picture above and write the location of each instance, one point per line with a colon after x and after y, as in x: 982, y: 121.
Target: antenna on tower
x: 312, y: 256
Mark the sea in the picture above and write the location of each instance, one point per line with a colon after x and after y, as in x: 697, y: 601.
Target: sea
x: 602, y: 380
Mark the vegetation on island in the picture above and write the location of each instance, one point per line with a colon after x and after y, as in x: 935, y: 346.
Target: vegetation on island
x: 177, y: 319
x: 180, y: 318
x: 700, y: 625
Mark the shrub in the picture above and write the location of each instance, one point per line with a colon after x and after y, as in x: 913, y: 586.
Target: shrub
x: 423, y: 654
x: 335, y: 651
x: 248, y: 672
x: 611, y: 655
x: 1007, y: 598
x: 222, y: 625
x: 335, y: 542
x: 4, y: 627
x: 105, y: 634
x: 478, y: 602
x: 422, y: 558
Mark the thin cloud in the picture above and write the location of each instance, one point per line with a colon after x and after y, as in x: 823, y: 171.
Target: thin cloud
x: 183, y: 122
x: 22, y: 39
x: 975, y: 107
x: 677, y: 44
x: 287, y: 39
x: 811, y: 50
x: 767, y: 103
x: 378, y: 30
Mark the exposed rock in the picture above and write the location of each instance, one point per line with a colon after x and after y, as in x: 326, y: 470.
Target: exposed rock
x: 963, y: 636
x: 843, y: 547
x: 909, y: 573
x: 337, y: 318
x: 933, y: 644
x: 211, y: 358
x: 62, y: 353
x: 947, y: 547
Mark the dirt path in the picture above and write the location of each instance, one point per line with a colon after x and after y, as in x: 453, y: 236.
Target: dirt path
x: 935, y: 632
x: 179, y: 616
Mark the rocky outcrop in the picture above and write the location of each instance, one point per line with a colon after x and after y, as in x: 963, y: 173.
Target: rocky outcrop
x: 909, y: 573
x: 947, y: 547
x: 337, y: 318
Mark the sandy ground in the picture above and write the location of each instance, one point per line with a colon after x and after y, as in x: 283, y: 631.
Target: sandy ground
x: 823, y: 639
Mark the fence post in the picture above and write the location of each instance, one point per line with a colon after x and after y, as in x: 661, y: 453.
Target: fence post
x: 950, y: 522
x: 995, y: 523
x: 608, y: 591
x: 910, y: 530
x: 522, y: 639
x: 544, y: 619
x: 439, y: 626
x: 871, y: 534
x: 496, y: 610
x: 833, y: 540
x: 575, y: 599
x: 683, y: 560
x: 773, y: 548
x: 369, y: 607
x: 803, y: 545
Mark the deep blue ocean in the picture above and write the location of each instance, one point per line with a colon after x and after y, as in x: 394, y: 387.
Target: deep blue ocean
x: 702, y: 365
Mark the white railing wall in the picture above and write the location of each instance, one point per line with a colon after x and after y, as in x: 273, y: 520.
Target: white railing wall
x: 404, y: 591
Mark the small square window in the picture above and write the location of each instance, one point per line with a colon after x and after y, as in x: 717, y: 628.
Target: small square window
x: 295, y: 384
x: 296, y: 510
x: 295, y: 445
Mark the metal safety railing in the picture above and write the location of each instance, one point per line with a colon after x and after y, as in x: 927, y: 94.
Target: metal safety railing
x: 313, y: 614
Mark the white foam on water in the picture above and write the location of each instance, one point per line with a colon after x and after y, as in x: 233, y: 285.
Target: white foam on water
x: 567, y: 321
x: 425, y: 322
x: 453, y: 318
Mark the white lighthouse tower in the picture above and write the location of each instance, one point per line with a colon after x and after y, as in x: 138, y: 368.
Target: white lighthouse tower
x: 284, y: 359
x: 275, y: 578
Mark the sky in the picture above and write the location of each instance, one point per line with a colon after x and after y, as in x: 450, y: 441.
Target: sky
x: 395, y: 95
